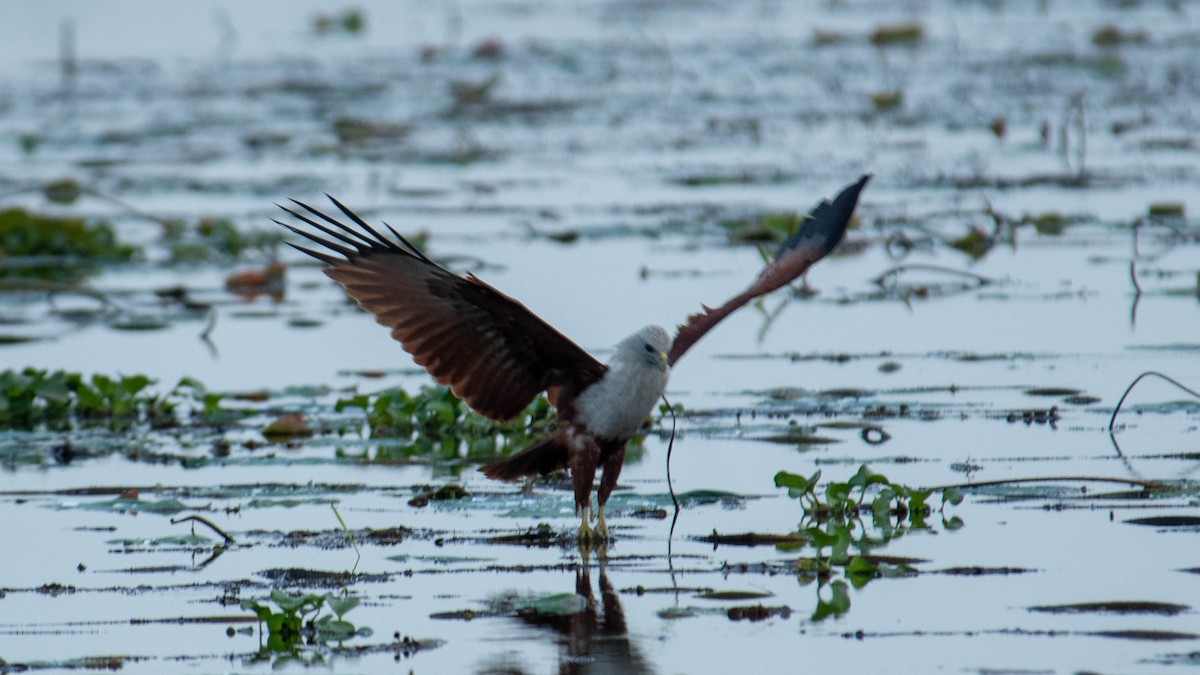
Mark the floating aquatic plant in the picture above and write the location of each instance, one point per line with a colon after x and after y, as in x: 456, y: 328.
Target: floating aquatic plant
x: 32, y: 398
x: 25, y: 233
x: 435, y: 414
x: 297, y: 618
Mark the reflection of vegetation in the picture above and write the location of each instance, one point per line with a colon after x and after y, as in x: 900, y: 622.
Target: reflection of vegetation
x: 435, y: 419
x: 296, y: 620
x: 830, y: 523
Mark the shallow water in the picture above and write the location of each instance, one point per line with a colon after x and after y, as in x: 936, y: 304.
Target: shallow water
x: 632, y: 130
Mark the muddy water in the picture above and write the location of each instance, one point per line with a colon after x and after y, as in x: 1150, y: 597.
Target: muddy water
x: 592, y: 181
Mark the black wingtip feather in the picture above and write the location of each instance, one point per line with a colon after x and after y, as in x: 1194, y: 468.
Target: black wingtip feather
x: 379, y: 239
x: 333, y: 233
x: 416, y: 251
x: 327, y: 259
x: 349, y: 253
x: 370, y: 243
x: 360, y: 241
x: 827, y: 223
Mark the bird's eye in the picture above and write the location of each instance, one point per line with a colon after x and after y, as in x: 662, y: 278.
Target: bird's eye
x: 648, y: 348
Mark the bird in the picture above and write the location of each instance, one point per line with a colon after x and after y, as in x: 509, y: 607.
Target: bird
x: 497, y: 355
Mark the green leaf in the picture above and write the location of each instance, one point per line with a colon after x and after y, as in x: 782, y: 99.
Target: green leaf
x: 212, y: 403
x: 190, y: 383
x: 54, y: 389
x: 881, y: 507
x: 837, y: 492
x: 858, y: 565
x: 865, y: 477
x: 841, y: 546
x: 859, y: 571
x: 343, y: 604
x: 820, y: 538
x: 259, y: 610
x: 338, y: 630
x: 917, y: 500
x: 837, y: 605
x: 790, y: 480
x: 286, y: 601
x: 796, y: 481
x: 361, y: 401
x: 132, y: 384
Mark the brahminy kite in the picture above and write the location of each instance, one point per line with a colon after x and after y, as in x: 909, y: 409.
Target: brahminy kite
x: 496, y: 355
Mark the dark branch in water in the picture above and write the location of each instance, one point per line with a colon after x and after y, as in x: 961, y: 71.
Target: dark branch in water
x: 896, y: 271
x: 206, y: 521
x: 1112, y: 420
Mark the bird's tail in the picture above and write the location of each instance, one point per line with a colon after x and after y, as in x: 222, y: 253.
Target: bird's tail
x: 539, y: 459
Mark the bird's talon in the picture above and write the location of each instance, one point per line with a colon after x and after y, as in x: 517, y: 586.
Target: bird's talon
x: 585, y: 530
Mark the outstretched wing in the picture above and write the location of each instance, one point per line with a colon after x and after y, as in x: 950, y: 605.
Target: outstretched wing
x: 488, y: 348
x: 819, y: 234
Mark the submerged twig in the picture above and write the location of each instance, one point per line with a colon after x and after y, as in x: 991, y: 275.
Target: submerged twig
x: 209, y: 523
x: 896, y: 271
x: 1112, y: 420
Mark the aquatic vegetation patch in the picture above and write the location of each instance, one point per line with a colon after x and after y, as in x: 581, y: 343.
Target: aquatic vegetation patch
x: 434, y: 415
x: 291, y: 619
x: 215, y: 240
x: 347, y: 22
x: 829, y: 521
x: 24, y: 233
x: 34, y: 245
x: 58, y: 400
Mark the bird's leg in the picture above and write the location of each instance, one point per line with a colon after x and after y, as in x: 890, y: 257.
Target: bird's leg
x: 585, y: 530
x: 601, y: 526
x: 583, y: 454
x: 608, y: 482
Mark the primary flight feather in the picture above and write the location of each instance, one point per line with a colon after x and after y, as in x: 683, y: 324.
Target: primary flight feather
x: 496, y: 355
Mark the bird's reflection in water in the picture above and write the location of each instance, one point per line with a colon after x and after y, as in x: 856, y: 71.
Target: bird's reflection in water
x: 594, y: 639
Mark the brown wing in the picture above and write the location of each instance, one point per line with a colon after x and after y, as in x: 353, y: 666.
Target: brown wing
x: 488, y: 348
x: 819, y: 234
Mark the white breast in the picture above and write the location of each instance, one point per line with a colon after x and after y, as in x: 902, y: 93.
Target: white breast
x: 616, y: 406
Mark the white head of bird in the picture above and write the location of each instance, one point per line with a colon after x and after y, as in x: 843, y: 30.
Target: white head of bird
x: 618, y: 405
